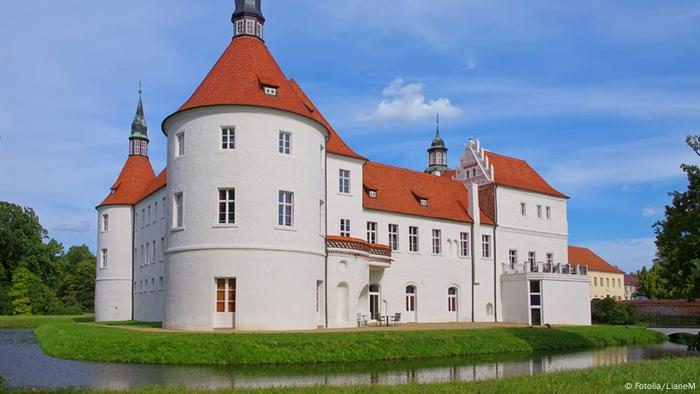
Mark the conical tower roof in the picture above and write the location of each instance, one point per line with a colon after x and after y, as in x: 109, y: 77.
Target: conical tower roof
x: 139, y: 128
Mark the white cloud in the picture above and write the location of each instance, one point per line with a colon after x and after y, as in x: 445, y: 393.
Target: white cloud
x: 627, y: 254
x: 650, y: 211
x: 407, y: 102
x: 82, y: 227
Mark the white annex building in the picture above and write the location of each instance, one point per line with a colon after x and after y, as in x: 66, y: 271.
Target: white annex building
x: 266, y: 220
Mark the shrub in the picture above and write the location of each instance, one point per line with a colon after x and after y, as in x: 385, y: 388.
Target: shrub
x: 608, y: 311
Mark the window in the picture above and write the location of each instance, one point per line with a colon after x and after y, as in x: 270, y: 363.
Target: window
x: 372, y: 194
x: 179, y: 144
x: 486, y: 246
x: 344, y: 227
x: 424, y: 202
x: 153, y: 284
x: 413, y: 239
x: 143, y: 256
x: 531, y: 258
x: 548, y: 212
x: 227, y: 206
x: 344, y: 181
x: 550, y: 258
x: 523, y: 209
x: 249, y: 26
x: 258, y: 29
x: 464, y: 244
x: 285, y: 209
x: 105, y: 223
x: 410, y: 298
x: 270, y: 91
x: 535, y: 303
x: 226, y: 295
x: 322, y: 217
x: 162, y: 246
x: 161, y: 283
x: 452, y: 299
x: 285, y: 147
x: 618, y: 283
x: 539, y: 211
x: 437, y: 241
x: 372, y: 232
x: 149, y: 215
x: 239, y: 26
x: 103, y: 258
x: 595, y: 281
x: 143, y: 217
x: 512, y: 258
x: 228, y: 138
x: 607, y: 282
x: 153, y: 253
x: 147, y: 257
x: 155, y: 212
x: 394, y: 236
x: 164, y: 209
x: 177, y: 210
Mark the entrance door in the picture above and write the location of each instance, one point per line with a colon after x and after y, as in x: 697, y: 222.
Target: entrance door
x: 225, y: 303
x: 411, y: 306
x: 374, y: 310
x: 452, y: 303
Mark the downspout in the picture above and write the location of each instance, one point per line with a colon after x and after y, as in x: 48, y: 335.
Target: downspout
x: 495, y: 251
x: 473, y: 262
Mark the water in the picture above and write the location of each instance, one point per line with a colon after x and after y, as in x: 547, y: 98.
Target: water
x: 24, y: 364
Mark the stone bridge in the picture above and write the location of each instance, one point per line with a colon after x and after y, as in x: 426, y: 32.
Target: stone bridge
x: 675, y: 330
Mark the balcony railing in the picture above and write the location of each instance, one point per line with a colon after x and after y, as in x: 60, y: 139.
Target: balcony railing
x: 547, y: 268
x: 359, y: 245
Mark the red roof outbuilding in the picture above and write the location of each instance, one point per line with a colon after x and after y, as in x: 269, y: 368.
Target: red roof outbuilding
x: 585, y: 256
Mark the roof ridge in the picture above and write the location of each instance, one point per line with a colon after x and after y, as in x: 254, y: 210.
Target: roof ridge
x: 421, y: 173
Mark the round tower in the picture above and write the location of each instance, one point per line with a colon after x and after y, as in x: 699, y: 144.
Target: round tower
x: 246, y: 185
x: 115, y: 228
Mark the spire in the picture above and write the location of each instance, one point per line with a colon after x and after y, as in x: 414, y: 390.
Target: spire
x: 437, y: 153
x: 248, y: 19
x: 138, y: 140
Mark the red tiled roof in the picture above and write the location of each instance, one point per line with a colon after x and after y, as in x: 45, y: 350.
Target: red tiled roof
x: 631, y: 280
x: 398, y: 189
x: 135, y: 177
x: 585, y: 256
x: 156, y: 184
x: 237, y: 79
x: 518, y: 174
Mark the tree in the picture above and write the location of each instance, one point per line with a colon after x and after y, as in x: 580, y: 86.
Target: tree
x: 678, y: 236
x: 77, y: 284
x: 651, y: 283
x: 21, y: 237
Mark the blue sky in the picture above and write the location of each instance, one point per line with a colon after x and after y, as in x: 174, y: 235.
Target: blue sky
x: 597, y: 95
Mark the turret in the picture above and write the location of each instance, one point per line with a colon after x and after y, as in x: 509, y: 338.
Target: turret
x: 248, y: 19
x: 138, y: 140
x: 437, y: 153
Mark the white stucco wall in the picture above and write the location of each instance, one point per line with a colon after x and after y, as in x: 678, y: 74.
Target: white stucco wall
x: 276, y: 267
x: 113, y: 282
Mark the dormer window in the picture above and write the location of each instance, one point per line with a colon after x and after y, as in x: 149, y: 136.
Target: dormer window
x: 270, y: 91
x: 372, y: 194
x: 424, y: 202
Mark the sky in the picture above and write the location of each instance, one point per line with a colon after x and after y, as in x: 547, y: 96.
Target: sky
x: 597, y: 96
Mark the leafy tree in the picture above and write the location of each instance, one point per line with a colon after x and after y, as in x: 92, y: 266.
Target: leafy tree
x: 678, y: 236
x: 21, y: 237
x: 651, y: 283
x: 23, y: 282
x: 77, y: 285
x: 609, y: 311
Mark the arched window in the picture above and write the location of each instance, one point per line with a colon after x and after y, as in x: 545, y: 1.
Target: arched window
x: 452, y: 299
x: 489, y: 309
x: 410, y: 298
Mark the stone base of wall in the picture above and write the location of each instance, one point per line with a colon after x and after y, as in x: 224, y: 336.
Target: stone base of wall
x: 665, y: 307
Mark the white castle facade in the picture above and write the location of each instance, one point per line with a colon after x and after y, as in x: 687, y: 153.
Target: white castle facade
x: 266, y: 220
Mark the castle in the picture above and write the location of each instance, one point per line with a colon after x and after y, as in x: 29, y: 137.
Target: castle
x: 266, y: 220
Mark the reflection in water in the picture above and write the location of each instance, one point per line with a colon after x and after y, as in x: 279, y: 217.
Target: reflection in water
x: 24, y: 364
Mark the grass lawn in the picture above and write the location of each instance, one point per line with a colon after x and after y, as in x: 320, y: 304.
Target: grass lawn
x: 100, y: 343
x: 36, y: 321
x: 607, y: 379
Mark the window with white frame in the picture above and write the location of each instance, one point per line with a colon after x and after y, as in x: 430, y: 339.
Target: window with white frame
x: 239, y: 26
x: 344, y: 181
x: 413, y: 239
x: 258, y: 29
x: 103, y: 258
x: 344, y: 227
x: 437, y: 241
x: 143, y: 217
x: 285, y: 143
x: 486, y: 245
x: 250, y: 26
x: 228, y: 138
x: 148, y: 218
x: 161, y: 283
x: 180, y: 144
x: 372, y: 232
x: 105, y: 223
x: 464, y: 244
x: 394, y: 236
x: 452, y: 299
x: 539, y: 211
x: 155, y: 212
x: 523, y: 209
x: 512, y: 258
x: 178, y: 210
x: 531, y: 258
x: 153, y: 252
x: 424, y: 202
x: 285, y: 209
x: 270, y: 91
x: 162, y: 246
x: 143, y: 255
x: 164, y: 209
x: 550, y: 258
x: 227, y: 206
x: 548, y: 212
x: 148, y: 254
x: 322, y: 217
x: 372, y: 194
